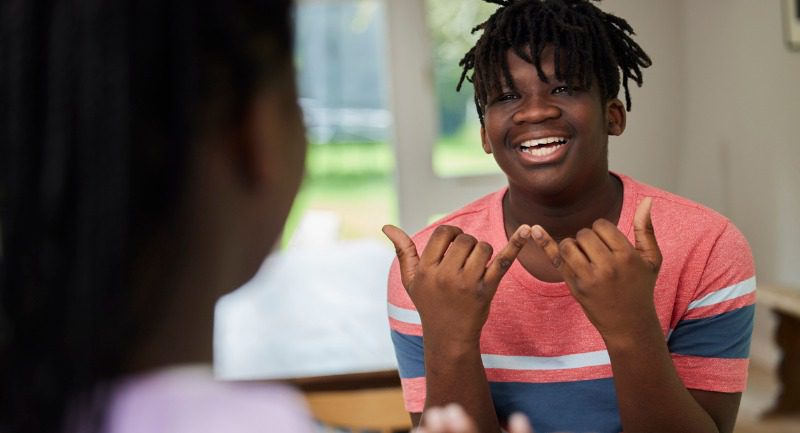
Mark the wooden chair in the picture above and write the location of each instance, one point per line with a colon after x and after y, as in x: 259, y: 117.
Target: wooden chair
x: 378, y: 409
x: 785, y: 303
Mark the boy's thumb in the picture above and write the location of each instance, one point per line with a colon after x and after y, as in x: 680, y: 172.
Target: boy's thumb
x: 644, y: 234
x: 406, y: 252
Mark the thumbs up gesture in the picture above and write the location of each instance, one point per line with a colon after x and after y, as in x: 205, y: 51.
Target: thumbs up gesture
x: 452, y: 282
x: 613, y: 280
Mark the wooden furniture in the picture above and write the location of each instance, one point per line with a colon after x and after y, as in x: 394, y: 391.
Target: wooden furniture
x: 376, y: 409
x: 348, y: 382
x: 785, y: 304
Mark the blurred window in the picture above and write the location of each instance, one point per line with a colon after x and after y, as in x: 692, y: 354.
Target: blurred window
x: 458, y: 151
x: 332, y: 265
x: 348, y: 189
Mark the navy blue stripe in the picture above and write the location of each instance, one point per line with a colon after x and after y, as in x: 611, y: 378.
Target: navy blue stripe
x: 725, y: 335
x: 582, y: 406
x: 410, y: 355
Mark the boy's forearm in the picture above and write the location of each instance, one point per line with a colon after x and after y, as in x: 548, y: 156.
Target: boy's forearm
x: 455, y: 374
x: 650, y: 394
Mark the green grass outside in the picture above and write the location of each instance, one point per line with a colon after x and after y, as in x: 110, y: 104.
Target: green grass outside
x: 355, y: 180
x: 461, y: 154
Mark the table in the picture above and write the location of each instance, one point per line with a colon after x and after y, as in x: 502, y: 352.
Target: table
x: 314, y: 316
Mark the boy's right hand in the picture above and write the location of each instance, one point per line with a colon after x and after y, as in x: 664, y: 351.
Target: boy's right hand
x: 452, y: 283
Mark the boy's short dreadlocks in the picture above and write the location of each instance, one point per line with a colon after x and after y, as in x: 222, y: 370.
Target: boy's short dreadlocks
x: 587, y: 43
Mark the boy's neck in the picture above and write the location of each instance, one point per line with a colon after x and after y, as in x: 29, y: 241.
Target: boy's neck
x: 564, y: 218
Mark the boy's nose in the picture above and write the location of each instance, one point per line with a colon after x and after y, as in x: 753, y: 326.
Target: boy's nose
x: 536, y: 110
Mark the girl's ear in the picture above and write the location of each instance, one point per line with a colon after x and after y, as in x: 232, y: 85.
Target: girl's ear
x: 272, y: 145
x: 616, y: 116
x: 485, y: 141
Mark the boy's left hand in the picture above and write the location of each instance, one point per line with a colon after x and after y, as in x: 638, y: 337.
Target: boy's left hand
x: 613, y: 280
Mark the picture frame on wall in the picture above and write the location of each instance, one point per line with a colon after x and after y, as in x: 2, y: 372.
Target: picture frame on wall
x: 791, y: 14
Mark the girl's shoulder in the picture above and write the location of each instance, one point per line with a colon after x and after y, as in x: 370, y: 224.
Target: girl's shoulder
x: 189, y: 399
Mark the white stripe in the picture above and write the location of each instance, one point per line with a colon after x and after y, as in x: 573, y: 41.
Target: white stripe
x: 737, y: 290
x: 404, y: 315
x: 589, y: 359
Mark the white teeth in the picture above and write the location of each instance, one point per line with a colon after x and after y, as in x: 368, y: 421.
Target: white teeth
x: 541, y: 151
x: 540, y: 148
x: 544, y: 141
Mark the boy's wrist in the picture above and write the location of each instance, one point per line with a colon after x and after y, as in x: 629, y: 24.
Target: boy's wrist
x: 637, y: 338
x: 446, y: 347
x: 445, y: 334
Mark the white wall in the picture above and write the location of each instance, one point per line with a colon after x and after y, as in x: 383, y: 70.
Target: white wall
x: 648, y: 150
x: 718, y: 118
x: 741, y: 147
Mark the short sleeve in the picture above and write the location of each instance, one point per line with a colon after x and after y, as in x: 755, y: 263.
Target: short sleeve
x: 406, y: 333
x: 710, y: 345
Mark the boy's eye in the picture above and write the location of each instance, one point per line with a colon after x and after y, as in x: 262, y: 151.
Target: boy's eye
x: 563, y: 90
x: 508, y: 96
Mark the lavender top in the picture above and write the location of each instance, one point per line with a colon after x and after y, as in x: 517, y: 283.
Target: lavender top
x: 189, y: 400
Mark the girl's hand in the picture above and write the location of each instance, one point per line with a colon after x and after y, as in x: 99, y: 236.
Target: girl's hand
x: 453, y: 419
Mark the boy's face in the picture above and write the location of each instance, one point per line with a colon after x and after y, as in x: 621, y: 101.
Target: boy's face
x: 549, y: 140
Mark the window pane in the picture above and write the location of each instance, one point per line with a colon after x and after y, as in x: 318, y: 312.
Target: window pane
x: 458, y: 151
x: 305, y: 312
x: 348, y: 190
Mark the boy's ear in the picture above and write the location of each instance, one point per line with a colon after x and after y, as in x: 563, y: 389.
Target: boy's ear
x: 616, y: 116
x: 485, y: 141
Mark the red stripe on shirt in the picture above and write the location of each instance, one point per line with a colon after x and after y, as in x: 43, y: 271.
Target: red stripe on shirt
x: 712, y: 374
x: 414, y: 394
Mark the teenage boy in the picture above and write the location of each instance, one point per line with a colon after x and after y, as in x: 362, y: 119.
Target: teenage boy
x: 614, y: 305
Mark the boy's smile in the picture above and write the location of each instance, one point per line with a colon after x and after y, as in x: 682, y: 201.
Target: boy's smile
x: 548, y: 149
x: 550, y: 139
x: 543, y: 148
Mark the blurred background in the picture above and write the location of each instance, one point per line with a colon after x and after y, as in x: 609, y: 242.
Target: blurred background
x: 391, y: 141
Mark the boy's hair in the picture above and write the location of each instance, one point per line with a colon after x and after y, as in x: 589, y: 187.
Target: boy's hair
x: 587, y: 43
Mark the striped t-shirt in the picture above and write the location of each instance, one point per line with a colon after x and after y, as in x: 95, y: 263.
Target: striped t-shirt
x: 542, y: 355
